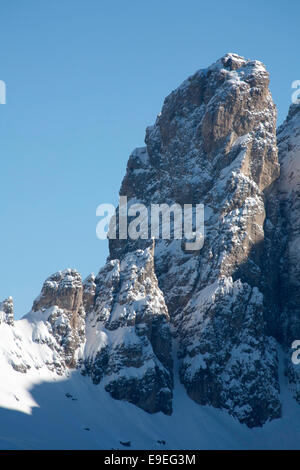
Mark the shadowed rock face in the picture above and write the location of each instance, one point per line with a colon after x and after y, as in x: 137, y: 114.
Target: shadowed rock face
x: 89, y: 290
x: 289, y: 194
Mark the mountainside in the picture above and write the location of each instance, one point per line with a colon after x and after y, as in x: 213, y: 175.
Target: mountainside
x: 215, y: 142
x: 216, y: 323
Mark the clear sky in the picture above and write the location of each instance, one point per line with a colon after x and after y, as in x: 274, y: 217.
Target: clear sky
x: 84, y: 79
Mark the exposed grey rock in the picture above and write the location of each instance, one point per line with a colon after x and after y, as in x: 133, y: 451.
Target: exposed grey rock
x: 233, y: 360
x: 63, y: 289
x: 61, y: 305
x: 128, y: 335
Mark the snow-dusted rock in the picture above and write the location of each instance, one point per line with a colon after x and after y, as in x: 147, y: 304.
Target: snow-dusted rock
x: 214, y: 142
x: 289, y: 196
x: 128, y: 335
x: 63, y: 289
x: 289, y: 193
x: 221, y: 308
x: 89, y: 290
x: 60, y: 306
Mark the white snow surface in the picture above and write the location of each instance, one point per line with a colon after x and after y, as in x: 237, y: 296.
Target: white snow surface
x: 35, y: 412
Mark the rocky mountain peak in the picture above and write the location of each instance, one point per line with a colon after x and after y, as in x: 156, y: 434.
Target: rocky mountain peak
x: 63, y: 289
x: 131, y: 342
x: 214, y: 315
x: 7, y: 311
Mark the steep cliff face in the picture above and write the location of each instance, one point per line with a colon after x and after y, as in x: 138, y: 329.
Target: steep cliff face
x: 88, y: 295
x: 218, y: 311
x: 50, y: 338
x: 289, y: 195
x: 215, y: 143
x: 60, y: 308
x: 7, y: 311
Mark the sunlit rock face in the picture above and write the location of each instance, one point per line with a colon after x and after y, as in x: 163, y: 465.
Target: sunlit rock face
x: 89, y: 290
x: 60, y: 306
x: 215, y: 316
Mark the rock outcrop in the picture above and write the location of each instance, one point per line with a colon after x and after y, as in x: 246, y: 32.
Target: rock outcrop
x: 289, y: 196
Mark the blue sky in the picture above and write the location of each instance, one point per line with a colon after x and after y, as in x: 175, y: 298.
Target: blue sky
x: 84, y: 79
